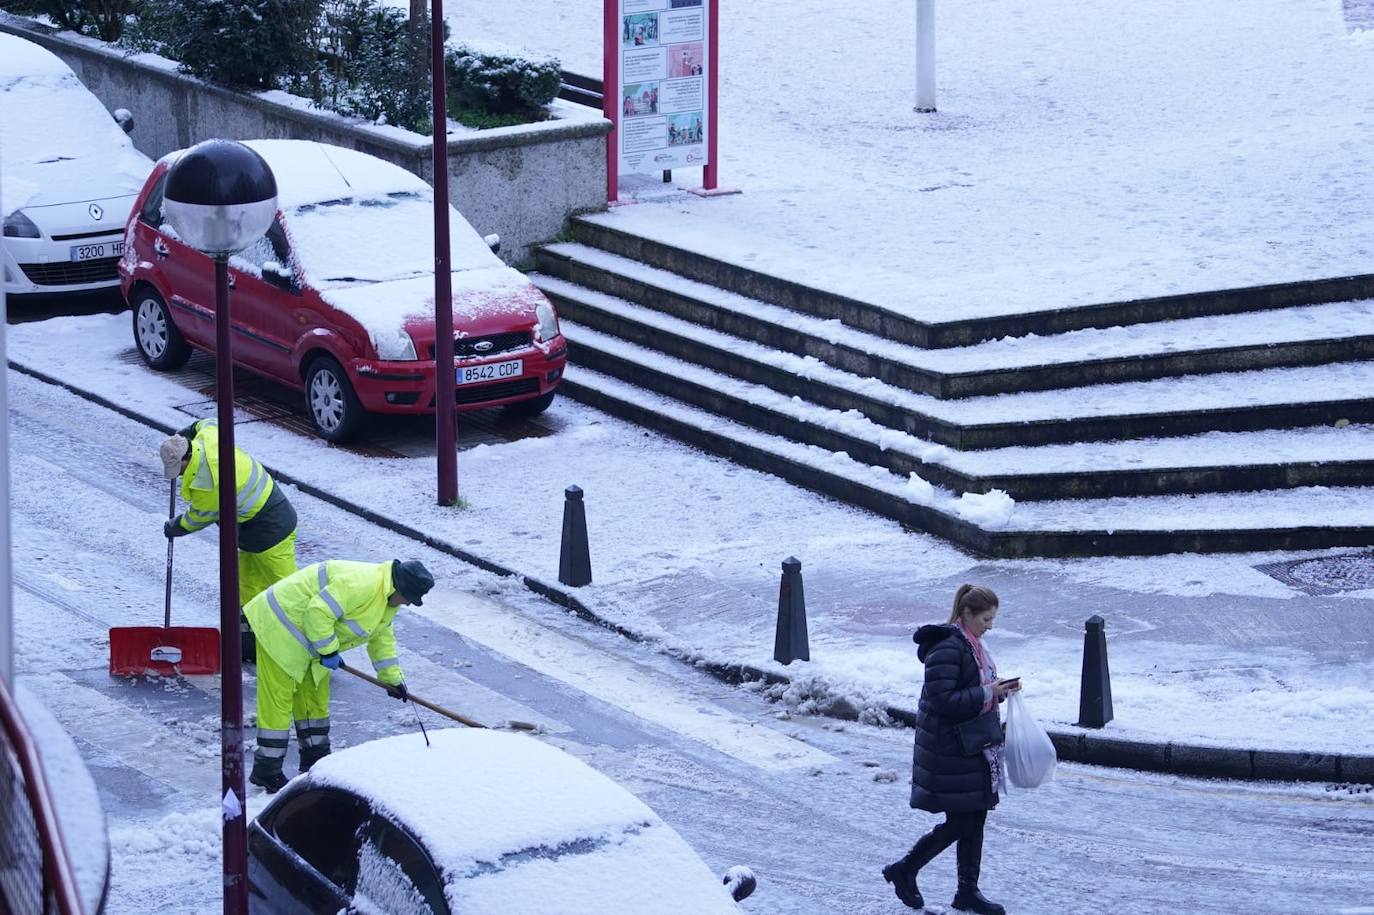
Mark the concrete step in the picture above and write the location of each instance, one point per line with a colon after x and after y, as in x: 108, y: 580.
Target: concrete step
x: 599, y: 231
x: 1302, y: 335
x: 1220, y: 522
x: 1320, y: 456
x: 1234, y: 401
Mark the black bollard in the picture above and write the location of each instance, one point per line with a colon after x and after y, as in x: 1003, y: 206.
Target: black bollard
x: 1095, y: 694
x: 574, y: 559
x: 791, y: 642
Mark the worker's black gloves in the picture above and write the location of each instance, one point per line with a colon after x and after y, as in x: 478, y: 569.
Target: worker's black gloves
x: 331, y: 660
x: 398, y: 691
x: 172, y: 528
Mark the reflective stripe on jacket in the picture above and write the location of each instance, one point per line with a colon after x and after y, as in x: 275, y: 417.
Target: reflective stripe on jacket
x: 324, y: 608
x: 258, y: 497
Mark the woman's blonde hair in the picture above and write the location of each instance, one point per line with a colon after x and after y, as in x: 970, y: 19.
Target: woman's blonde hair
x: 972, y: 599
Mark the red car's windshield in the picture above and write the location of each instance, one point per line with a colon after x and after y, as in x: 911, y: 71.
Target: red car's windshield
x: 370, y: 240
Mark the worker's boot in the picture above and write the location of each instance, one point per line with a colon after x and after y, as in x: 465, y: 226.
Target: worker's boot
x: 312, y: 755
x: 969, y: 858
x: 267, y: 774
x: 248, y: 642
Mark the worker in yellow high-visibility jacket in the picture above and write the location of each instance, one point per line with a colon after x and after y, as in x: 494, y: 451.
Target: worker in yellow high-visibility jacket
x: 266, y: 519
x: 302, y: 624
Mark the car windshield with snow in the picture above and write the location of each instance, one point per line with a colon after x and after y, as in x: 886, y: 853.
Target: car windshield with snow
x: 68, y: 176
x: 481, y: 822
x: 337, y: 298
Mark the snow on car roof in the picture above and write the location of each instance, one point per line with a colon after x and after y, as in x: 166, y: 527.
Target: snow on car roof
x: 60, y: 145
x: 310, y: 172
x: 478, y: 799
x: 20, y: 58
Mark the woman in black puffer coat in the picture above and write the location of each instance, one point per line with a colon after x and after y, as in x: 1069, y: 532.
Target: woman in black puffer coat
x: 961, y: 683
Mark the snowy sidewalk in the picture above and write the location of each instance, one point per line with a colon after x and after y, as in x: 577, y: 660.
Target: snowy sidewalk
x: 1082, y: 153
x: 686, y: 551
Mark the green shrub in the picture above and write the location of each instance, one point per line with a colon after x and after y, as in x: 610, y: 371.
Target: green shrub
x: 252, y: 44
x: 371, y: 71
x: 102, y: 19
x: 153, y: 28
x: 500, y: 81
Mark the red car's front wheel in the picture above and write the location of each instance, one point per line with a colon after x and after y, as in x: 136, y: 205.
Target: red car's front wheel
x: 331, y: 403
x: 159, y: 342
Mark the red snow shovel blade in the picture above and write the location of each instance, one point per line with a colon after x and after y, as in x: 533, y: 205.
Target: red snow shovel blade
x: 167, y: 651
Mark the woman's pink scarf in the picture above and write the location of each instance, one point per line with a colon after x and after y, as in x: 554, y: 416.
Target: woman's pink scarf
x: 987, y: 669
x: 987, y: 675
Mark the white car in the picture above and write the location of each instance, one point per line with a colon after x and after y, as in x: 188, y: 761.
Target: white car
x: 68, y: 176
x: 479, y: 823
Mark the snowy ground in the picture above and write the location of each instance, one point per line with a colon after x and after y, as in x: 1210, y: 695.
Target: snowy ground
x: 686, y: 549
x: 1083, y: 151
x: 815, y: 806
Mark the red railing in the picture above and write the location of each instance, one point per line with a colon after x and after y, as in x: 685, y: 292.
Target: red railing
x: 35, y: 873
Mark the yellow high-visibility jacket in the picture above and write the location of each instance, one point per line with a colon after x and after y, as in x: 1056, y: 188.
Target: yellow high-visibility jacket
x: 327, y: 607
x: 265, y: 517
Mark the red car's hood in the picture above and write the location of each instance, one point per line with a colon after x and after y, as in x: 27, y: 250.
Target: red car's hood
x: 488, y: 301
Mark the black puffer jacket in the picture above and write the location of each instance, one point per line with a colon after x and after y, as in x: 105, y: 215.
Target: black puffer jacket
x: 942, y: 778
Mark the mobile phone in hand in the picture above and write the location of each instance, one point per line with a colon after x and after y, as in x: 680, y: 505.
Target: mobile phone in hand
x: 1010, y: 681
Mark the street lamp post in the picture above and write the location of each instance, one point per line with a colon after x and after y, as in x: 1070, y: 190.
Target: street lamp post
x: 445, y: 433
x: 220, y: 198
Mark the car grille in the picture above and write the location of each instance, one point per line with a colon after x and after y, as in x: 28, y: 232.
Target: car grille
x: 497, y: 390
x: 67, y: 274
x: 464, y: 347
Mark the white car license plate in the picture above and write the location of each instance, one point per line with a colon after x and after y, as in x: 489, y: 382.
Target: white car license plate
x: 96, y: 252
x: 492, y: 371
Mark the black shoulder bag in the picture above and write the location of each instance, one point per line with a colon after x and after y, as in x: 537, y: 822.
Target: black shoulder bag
x: 979, y: 733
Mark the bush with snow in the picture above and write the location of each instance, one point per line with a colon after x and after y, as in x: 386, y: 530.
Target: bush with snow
x: 253, y: 44
x: 498, y: 80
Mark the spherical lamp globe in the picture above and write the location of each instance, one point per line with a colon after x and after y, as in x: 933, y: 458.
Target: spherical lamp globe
x: 220, y: 197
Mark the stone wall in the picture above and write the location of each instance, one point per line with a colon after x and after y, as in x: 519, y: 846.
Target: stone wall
x: 518, y: 182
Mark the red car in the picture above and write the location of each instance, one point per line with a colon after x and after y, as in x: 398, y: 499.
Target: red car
x: 337, y: 298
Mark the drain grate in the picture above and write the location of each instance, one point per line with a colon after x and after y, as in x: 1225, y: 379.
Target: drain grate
x: 1325, y: 575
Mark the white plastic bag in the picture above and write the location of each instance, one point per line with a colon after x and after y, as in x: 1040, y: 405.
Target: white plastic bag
x: 1029, y: 753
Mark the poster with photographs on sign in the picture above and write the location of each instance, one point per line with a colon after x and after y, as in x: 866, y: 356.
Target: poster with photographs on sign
x: 663, y: 73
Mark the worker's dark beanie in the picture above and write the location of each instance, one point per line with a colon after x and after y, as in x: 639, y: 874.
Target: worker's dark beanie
x: 412, y: 579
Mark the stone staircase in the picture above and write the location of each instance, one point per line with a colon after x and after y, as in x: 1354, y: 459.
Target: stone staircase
x: 1234, y: 420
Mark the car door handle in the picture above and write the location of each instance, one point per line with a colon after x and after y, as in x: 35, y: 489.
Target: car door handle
x: 161, y: 248
x: 231, y: 281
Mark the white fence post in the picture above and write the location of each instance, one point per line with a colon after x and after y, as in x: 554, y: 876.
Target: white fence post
x: 925, y: 55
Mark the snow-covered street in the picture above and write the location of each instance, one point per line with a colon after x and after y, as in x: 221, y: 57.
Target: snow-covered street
x: 815, y: 806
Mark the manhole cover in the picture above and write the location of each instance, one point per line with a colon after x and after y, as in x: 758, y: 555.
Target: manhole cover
x: 1326, y: 575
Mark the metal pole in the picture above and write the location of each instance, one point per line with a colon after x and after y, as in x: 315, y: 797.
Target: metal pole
x: 925, y: 56
x: 445, y: 427
x: 708, y: 174
x: 610, y: 95
x: 231, y: 662
x: 6, y: 588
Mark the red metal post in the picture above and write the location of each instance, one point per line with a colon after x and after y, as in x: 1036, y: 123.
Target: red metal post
x: 610, y: 96
x: 708, y: 174
x: 231, y: 662
x: 445, y: 427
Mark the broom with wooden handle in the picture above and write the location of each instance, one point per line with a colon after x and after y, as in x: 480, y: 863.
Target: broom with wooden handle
x: 435, y: 707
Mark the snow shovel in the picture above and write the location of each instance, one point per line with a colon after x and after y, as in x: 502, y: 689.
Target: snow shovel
x: 434, y: 707
x: 167, y: 650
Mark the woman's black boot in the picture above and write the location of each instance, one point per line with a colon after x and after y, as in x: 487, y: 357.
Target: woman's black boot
x: 969, y: 857
x: 903, y: 880
x: 969, y: 899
